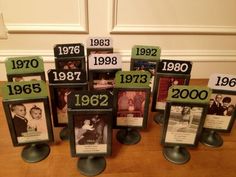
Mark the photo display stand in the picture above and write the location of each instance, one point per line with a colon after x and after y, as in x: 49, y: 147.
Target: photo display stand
x: 132, y: 95
x: 28, y: 68
x: 145, y: 58
x: 90, y: 124
x: 221, y: 111
x: 169, y: 72
x: 61, y: 83
x: 28, y: 116
x: 102, y: 70
x: 185, y: 113
x: 98, y: 45
x: 69, y: 56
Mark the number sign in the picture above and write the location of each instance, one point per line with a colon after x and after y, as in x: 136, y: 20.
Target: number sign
x: 99, y: 42
x: 90, y: 100
x: 66, y: 76
x: 146, y: 52
x: 20, y: 65
x: 174, y: 66
x: 222, y: 82
x: 132, y: 79
x: 189, y: 94
x: 69, y: 50
x: 104, y: 61
x: 24, y: 90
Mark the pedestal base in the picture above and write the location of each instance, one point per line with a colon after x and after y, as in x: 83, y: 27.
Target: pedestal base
x: 91, y: 166
x: 211, y: 138
x: 65, y: 133
x: 177, y: 154
x: 159, y: 119
x: 128, y: 136
x: 35, y: 152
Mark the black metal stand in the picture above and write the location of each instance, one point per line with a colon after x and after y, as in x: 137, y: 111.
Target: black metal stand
x: 128, y: 136
x: 91, y: 166
x: 211, y: 138
x: 176, y: 154
x: 35, y: 152
x: 65, y: 133
x: 159, y: 119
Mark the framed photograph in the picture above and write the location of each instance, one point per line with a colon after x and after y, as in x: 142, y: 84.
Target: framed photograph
x: 221, y: 111
x: 59, y: 93
x: 161, y: 86
x: 70, y: 63
x: 26, y: 77
x: 29, y: 121
x: 102, y: 79
x: 131, y: 107
x: 183, y: 123
x: 91, y: 132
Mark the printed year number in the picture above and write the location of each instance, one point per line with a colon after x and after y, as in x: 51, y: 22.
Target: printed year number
x: 192, y: 94
x: 65, y: 50
x: 105, y: 61
x: 225, y: 81
x: 25, y: 89
x: 177, y: 67
x: 147, y: 51
x: 99, y: 42
x: 94, y: 100
x: 61, y: 76
x: 133, y: 78
x: 18, y: 64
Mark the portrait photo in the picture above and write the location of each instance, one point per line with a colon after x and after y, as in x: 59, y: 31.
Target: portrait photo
x: 183, y: 124
x: 102, y: 80
x: 29, y: 121
x: 91, y: 133
x: 131, y: 107
x: 162, y: 90
x: 220, y: 111
x: 70, y: 63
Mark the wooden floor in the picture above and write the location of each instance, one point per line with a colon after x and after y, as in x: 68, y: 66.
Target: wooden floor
x: 140, y: 160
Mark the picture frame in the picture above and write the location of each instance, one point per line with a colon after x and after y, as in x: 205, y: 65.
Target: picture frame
x: 102, y: 79
x: 70, y: 63
x: 145, y: 65
x: 131, y: 107
x: 26, y: 77
x: 91, y: 132
x: 221, y: 118
x: 165, y: 80
x: 29, y: 121
x: 59, y: 94
x: 183, y: 124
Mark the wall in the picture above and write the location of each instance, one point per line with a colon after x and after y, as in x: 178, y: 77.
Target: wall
x: 200, y: 31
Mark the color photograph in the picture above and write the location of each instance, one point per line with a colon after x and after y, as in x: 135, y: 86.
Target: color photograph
x: 103, y: 80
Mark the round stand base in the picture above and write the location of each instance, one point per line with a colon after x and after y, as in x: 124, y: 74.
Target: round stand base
x: 177, y: 155
x: 211, y: 138
x: 91, y: 166
x: 35, y: 152
x: 128, y: 137
x: 65, y: 133
x: 159, y: 119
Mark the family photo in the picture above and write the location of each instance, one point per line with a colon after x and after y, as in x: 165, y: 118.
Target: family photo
x: 183, y: 124
x: 103, y: 81
x: 69, y: 64
x: 29, y: 121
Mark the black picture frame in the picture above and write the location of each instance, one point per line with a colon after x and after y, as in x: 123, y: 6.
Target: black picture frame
x: 33, y: 107
x: 139, y: 65
x: 177, y: 127
x: 221, y: 114
x: 70, y: 63
x: 102, y: 79
x: 57, y: 105
x: 137, y: 117
x: 158, y: 83
x: 87, y: 125
x: 26, y: 77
